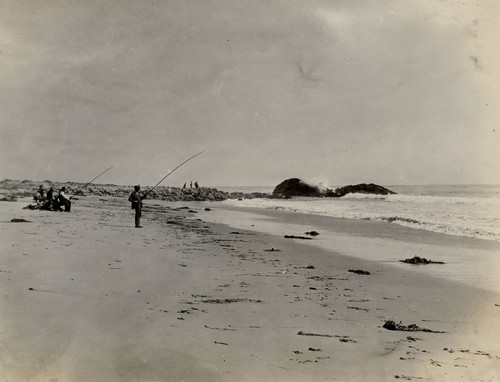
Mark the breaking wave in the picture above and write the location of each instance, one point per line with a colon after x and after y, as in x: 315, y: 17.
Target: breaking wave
x: 474, y: 215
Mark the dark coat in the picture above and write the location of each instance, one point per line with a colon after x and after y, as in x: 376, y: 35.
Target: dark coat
x: 136, y: 200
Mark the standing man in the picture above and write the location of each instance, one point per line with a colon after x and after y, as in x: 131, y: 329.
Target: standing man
x: 136, y: 199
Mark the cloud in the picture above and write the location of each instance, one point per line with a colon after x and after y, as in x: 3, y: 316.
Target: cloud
x: 269, y: 88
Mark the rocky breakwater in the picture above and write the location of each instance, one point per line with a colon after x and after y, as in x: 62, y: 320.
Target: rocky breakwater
x: 175, y: 194
x: 13, y: 189
x: 297, y: 187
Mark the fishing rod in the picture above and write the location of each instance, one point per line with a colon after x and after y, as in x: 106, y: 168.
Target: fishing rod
x: 162, y: 179
x: 92, y: 181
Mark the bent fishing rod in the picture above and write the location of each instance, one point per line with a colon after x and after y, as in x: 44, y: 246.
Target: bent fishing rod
x: 162, y: 179
x: 91, y: 181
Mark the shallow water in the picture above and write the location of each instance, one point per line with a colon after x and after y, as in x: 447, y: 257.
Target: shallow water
x: 474, y: 262
x: 461, y: 210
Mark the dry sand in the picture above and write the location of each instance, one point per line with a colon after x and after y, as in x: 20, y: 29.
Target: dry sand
x: 87, y: 297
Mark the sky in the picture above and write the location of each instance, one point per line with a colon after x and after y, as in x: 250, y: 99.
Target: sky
x: 332, y: 91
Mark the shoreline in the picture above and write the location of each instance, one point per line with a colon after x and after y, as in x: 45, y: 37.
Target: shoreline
x: 470, y: 260
x: 360, y: 227
x: 187, y: 299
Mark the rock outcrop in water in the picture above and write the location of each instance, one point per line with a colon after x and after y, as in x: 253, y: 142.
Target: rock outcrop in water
x: 363, y: 188
x: 298, y: 187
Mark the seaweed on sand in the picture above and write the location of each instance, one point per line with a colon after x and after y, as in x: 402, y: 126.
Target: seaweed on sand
x: 296, y: 237
x: 359, y: 271
x: 391, y: 325
x: 420, y: 260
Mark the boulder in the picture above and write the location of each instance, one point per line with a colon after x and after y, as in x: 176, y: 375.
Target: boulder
x: 296, y: 187
x: 363, y: 188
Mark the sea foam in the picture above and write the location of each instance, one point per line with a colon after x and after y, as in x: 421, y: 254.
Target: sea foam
x: 474, y: 215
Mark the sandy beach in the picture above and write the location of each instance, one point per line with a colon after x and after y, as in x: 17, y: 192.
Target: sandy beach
x: 87, y: 297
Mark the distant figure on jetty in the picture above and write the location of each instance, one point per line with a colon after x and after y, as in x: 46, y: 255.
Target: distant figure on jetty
x: 136, y: 199
x: 63, y: 200
x: 196, y: 185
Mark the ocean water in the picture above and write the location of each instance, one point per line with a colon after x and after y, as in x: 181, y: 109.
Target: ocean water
x: 462, y: 210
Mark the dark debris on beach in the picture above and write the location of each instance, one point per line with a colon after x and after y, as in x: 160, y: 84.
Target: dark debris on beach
x: 359, y: 271
x: 391, y: 325
x: 420, y: 260
x: 312, y: 233
x: 297, y: 237
x: 228, y: 300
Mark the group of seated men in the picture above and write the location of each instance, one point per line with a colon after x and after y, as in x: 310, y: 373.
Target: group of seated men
x: 47, y: 201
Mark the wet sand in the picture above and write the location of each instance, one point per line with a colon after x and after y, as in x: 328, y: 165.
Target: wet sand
x: 87, y: 297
